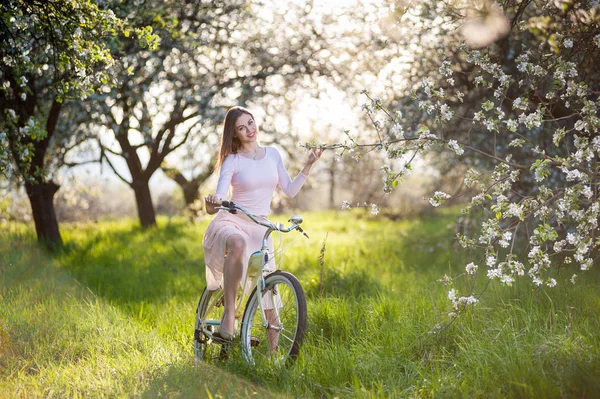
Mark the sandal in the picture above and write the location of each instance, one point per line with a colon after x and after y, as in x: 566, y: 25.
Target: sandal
x: 222, y: 336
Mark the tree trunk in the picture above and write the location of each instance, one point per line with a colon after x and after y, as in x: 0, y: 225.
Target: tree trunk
x: 143, y: 200
x: 41, y: 197
x: 332, y: 204
x: 191, y: 193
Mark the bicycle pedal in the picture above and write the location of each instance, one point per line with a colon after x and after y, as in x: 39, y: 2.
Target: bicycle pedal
x: 199, y: 336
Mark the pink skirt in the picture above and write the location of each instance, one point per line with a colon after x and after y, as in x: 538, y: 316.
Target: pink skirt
x: 214, y: 242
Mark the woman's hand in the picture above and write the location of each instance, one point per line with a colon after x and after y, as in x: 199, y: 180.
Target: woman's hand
x: 312, y: 158
x: 211, y: 201
x: 315, y: 155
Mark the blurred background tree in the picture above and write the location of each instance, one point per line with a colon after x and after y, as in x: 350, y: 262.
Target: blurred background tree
x: 50, y: 52
x: 511, y: 89
x: 428, y: 36
x: 211, y: 55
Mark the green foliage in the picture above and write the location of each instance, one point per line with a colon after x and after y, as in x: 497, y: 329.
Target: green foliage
x: 112, y: 315
x: 51, y: 51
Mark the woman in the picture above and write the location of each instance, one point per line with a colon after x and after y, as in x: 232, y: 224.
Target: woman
x: 253, y: 172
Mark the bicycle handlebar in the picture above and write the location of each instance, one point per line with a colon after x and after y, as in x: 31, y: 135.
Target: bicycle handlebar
x: 231, y: 207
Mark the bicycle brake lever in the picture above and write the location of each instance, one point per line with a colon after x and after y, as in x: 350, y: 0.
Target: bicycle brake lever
x: 302, y: 231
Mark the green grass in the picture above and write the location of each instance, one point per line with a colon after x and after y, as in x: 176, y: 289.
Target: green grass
x: 112, y: 316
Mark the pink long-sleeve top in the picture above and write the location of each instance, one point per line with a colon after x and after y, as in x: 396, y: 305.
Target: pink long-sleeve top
x: 253, y: 181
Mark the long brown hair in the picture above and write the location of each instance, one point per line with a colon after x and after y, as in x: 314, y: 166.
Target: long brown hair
x: 230, y: 144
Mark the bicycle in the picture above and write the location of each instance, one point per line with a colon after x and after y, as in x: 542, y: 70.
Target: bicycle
x: 273, y: 328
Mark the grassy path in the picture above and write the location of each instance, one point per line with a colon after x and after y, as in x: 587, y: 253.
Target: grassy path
x: 111, y: 316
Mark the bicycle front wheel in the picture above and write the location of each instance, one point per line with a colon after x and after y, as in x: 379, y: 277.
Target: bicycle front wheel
x: 276, y: 337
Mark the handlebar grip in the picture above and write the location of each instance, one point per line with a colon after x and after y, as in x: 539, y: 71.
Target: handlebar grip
x: 230, y: 205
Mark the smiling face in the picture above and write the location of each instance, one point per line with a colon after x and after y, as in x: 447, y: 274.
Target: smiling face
x: 246, y: 129
x: 239, y: 130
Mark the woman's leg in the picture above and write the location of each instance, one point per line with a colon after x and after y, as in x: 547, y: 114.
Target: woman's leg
x: 272, y: 334
x: 232, y: 275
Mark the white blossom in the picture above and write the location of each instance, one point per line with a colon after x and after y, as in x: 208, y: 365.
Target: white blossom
x: 490, y: 125
x: 515, y: 210
x: 397, y: 130
x: 454, y: 146
x: 531, y: 120
x: 494, y: 273
x: 573, y: 174
x: 559, y: 245
x: 438, y: 198
x: 535, y: 251
x: 506, y: 279
x: 506, y: 237
x: 516, y: 267
x: 581, y: 125
x: 572, y: 238
x: 447, y: 114
x: 519, y: 103
x: 446, y: 68
x: 471, y: 268
x: 374, y: 209
x: 467, y: 300
x: 586, y: 264
x: 522, y: 62
x: 512, y: 125
x: 452, y: 297
x: 568, y: 43
x: 500, y: 113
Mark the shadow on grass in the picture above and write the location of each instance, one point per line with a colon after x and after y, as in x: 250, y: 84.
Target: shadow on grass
x: 128, y: 265
x: 338, y: 284
x: 427, y: 246
x: 203, y: 381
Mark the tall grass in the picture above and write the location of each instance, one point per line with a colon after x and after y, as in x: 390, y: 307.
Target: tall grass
x: 112, y: 315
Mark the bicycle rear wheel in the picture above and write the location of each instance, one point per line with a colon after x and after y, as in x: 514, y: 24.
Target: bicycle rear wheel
x: 208, y: 317
x: 285, y: 307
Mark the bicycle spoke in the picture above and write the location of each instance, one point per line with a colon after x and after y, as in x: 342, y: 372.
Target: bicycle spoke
x: 287, y: 337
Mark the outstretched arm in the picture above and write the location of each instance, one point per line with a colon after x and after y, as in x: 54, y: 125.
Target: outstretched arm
x: 289, y: 187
